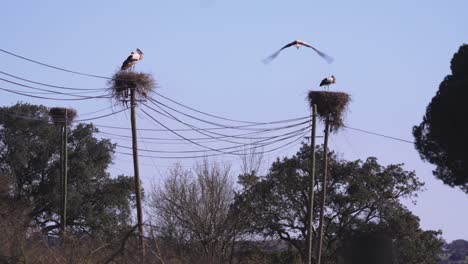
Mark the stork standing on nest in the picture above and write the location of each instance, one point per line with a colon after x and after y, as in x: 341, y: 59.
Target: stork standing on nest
x: 298, y: 44
x: 129, y: 63
x: 327, y: 81
x: 132, y: 60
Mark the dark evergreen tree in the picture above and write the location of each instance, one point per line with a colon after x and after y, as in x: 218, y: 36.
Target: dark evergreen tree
x: 441, y: 138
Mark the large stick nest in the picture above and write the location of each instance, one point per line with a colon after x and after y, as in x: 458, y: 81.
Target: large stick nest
x: 58, y: 115
x: 330, y: 106
x: 123, y: 82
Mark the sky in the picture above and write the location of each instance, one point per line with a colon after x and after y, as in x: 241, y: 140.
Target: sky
x: 390, y: 56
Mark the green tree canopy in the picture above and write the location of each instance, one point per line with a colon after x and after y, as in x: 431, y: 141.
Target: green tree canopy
x: 441, y: 136
x: 29, y: 160
x: 364, y: 196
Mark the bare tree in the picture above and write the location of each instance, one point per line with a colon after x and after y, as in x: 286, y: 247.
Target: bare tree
x: 252, y: 161
x: 192, y: 212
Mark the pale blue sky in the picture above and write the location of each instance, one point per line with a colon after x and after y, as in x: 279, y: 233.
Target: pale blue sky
x: 389, y: 55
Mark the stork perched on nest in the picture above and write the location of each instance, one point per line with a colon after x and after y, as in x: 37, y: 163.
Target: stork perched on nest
x: 298, y: 44
x: 327, y: 81
x: 132, y: 60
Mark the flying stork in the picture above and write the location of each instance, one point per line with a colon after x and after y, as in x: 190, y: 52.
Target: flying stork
x: 132, y: 60
x: 327, y: 81
x: 298, y: 44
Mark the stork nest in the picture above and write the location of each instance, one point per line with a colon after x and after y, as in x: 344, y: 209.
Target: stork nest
x: 58, y: 115
x: 123, y: 82
x: 330, y: 107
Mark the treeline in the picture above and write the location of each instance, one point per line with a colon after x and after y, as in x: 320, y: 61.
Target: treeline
x: 455, y: 252
x: 198, y: 215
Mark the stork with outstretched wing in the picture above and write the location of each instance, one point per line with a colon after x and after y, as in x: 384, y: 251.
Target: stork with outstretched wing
x: 131, y: 60
x: 298, y: 44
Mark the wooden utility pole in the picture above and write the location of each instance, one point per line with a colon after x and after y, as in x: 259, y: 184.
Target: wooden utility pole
x: 65, y: 173
x: 324, y: 190
x: 136, y: 170
x: 311, y: 188
x: 62, y: 157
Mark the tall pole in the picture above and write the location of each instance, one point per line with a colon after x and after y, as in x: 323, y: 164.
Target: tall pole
x: 136, y: 170
x: 65, y: 172
x: 61, y: 178
x: 324, y: 189
x: 311, y: 188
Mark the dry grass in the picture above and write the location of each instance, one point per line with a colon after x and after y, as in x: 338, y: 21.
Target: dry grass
x: 58, y: 115
x: 124, y: 81
x: 331, y: 106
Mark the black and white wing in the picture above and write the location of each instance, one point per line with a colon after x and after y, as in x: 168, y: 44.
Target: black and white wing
x: 129, y: 62
x: 324, y: 82
x: 274, y: 55
x: 321, y: 54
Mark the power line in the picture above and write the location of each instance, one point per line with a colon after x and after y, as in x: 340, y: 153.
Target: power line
x: 29, y: 118
x: 97, y: 111
x: 194, y: 128
x: 217, y: 154
x: 204, y: 113
x: 251, y: 124
x: 51, y: 85
x: 202, y: 131
x: 102, y: 116
x: 182, y: 137
x: 380, y: 135
x: 193, y: 142
x: 152, y: 160
x: 205, y: 129
x: 255, y: 144
x: 50, y: 98
x: 204, y: 139
x: 47, y: 90
x: 61, y: 119
x: 53, y: 67
x: 99, y: 117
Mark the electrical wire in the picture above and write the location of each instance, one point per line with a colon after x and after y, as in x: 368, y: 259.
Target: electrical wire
x: 205, y: 129
x: 53, y: 67
x: 27, y: 117
x: 99, y: 117
x: 191, y: 141
x: 204, y: 113
x: 152, y: 160
x: 97, y: 111
x: 182, y: 137
x: 51, y: 85
x: 62, y: 119
x: 194, y: 128
x: 156, y: 139
x: 50, y: 91
x: 217, y: 154
x: 255, y: 144
x: 157, y: 103
x: 56, y: 99
x: 202, y: 131
x: 380, y: 135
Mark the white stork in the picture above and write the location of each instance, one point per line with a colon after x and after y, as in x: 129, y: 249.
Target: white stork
x: 298, y: 43
x: 327, y: 81
x: 132, y: 60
